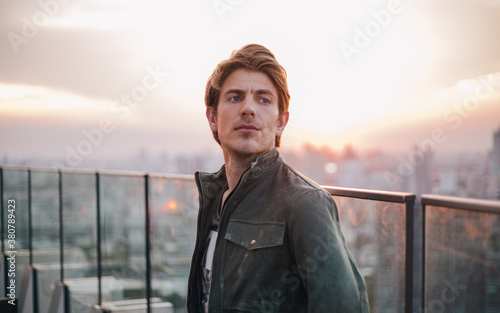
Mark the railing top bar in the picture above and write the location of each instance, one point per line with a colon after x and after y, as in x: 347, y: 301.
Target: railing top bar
x: 25, y: 168
x: 173, y: 176
x: 75, y: 170
x: 378, y: 195
x: 121, y: 173
x: 46, y: 169
x: 151, y: 175
x: 101, y: 172
x: 470, y: 204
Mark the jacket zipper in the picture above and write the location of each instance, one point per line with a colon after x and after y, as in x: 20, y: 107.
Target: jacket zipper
x: 220, y: 242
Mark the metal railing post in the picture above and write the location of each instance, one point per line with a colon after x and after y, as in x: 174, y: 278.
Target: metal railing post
x: 61, y: 228
x: 3, y: 260
x: 1, y: 210
x: 147, y: 214
x: 30, y: 244
x: 410, y: 252
x: 99, y: 237
x: 30, y: 218
x: 423, y: 250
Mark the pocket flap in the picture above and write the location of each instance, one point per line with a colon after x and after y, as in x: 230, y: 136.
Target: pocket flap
x: 255, y: 234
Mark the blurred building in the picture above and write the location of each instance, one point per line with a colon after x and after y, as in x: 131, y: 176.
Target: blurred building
x: 494, y: 173
x: 351, y: 174
x: 495, y: 155
x: 414, y: 171
x: 351, y: 171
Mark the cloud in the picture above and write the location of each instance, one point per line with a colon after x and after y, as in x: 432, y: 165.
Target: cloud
x: 93, y: 63
x: 461, y: 38
x: 95, y: 51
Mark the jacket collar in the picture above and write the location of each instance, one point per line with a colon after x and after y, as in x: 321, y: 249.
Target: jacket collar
x: 208, y: 183
x: 264, y: 162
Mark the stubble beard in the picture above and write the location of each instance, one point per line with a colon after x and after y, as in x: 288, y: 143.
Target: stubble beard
x: 241, y: 154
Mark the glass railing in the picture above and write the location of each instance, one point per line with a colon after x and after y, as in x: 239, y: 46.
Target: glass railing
x: 462, y: 255
x: 80, y: 241
x: 114, y: 239
x: 377, y: 229
x: 120, y: 239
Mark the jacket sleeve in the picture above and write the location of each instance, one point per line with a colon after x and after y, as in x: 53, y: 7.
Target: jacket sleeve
x: 328, y: 272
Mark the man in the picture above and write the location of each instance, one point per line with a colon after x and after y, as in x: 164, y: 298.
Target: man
x: 269, y: 239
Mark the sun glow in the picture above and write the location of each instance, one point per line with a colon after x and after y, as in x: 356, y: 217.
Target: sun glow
x: 393, y: 79
x: 33, y: 100
x: 170, y: 206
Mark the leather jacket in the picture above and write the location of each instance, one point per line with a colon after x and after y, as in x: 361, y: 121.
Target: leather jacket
x: 279, y: 248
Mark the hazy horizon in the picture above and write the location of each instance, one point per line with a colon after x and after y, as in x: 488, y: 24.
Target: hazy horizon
x: 115, y: 77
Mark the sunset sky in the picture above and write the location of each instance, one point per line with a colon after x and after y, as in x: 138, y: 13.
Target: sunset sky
x: 376, y: 74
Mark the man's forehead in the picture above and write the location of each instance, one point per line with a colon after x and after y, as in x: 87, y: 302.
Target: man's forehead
x: 243, y: 80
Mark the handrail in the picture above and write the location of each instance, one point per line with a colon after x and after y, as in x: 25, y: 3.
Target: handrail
x: 141, y: 174
x: 469, y: 204
x: 378, y: 195
x: 185, y: 177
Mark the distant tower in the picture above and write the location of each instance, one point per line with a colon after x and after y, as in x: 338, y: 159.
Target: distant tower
x: 351, y: 172
x: 495, y: 155
x: 495, y: 165
x: 421, y: 179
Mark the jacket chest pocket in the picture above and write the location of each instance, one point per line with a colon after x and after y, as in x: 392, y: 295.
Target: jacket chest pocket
x: 255, y: 234
x: 254, y: 265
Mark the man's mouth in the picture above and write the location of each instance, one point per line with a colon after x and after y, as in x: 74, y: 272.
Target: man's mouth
x: 246, y: 128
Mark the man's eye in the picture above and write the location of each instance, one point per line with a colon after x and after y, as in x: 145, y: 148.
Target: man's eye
x: 235, y: 99
x: 265, y: 100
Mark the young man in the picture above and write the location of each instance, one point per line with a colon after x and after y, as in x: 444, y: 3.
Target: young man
x: 269, y: 239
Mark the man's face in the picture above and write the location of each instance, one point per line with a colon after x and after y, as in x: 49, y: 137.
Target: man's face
x: 248, y: 118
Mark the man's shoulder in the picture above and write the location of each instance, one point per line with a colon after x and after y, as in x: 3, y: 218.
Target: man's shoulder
x: 302, y: 194
x: 296, y: 182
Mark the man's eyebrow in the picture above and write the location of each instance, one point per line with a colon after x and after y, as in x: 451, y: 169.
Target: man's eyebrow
x: 237, y: 91
x: 240, y: 91
x: 264, y: 92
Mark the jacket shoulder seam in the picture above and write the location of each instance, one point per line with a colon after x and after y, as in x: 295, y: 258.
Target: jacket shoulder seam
x: 296, y: 197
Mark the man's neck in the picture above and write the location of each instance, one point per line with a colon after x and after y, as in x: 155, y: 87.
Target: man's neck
x: 236, y: 164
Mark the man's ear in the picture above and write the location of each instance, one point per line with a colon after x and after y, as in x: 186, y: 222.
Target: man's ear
x: 212, y: 119
x: 282, y: 121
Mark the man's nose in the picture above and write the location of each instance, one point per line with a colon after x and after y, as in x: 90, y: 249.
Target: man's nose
x: 248, y: 107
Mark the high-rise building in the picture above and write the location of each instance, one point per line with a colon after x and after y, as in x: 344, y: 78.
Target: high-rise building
x: 415, y: 168
x: 495, y: 155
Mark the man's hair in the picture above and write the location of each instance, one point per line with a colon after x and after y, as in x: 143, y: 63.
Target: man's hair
x: 251, y: 57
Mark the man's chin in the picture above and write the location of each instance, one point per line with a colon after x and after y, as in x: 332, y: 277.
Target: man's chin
x: 248, y: 149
